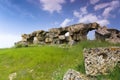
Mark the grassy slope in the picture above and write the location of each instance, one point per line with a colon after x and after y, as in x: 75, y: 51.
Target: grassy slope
x: 44, y: 62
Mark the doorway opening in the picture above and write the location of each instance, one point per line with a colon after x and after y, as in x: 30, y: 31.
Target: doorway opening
x: 91, y: 35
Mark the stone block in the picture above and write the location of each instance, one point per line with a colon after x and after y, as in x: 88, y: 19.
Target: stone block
x: 101, y: 60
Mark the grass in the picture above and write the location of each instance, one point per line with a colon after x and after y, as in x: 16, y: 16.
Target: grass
x: 45, y: 62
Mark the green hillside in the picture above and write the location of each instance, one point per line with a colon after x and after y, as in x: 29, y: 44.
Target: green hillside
x: 44, y: 62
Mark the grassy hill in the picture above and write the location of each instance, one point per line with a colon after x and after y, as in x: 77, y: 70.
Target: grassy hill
x: 45, y: 62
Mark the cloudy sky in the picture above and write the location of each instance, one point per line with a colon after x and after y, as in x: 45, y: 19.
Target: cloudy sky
x: 25, y: 16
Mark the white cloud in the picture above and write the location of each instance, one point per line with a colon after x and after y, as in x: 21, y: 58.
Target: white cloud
x: 76, y: 14
x: 65, y: 22
x: 72, y: 1
x: 112, y: 6
x: 103, y: 22
x: 94, y: 1
x: 108, y: 7
x: 89, y: 18
x: 83, y: 11
x: 115, y: 3
x: 8, y: 40
x: 107, y: 11
x: 52, y: 5
x: 85, y: 17
x: 101, y: 6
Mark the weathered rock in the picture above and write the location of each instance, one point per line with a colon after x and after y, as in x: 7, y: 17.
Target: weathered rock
x: 48, y: 40
x: 22, y: 44
x: 94, y: 26
x: 25, y: 37
x: 62, y: 37
x: 110, y: 35
x: 74, y: 75
x: 101, y: 60
x: 76, y: 28
x: 115, y: 36
x: 55, y: 30
x: 102, y: 33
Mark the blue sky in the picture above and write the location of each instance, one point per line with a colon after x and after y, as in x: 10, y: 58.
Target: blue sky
x: 25, y: 16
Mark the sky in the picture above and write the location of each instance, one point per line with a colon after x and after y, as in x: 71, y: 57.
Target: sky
x: 25, y: 16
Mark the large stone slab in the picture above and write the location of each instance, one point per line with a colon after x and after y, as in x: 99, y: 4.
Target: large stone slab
x: 101, y: 60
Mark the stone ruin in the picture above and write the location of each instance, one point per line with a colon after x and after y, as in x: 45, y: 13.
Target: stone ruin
x: 97, y: 61
x: 70, y: 34
x: 110, y: 35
